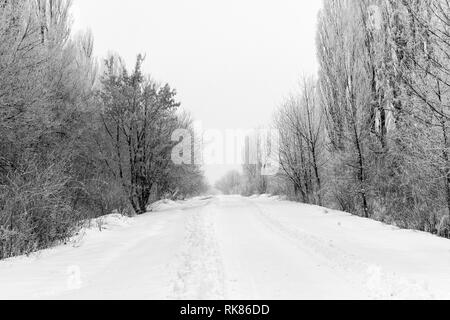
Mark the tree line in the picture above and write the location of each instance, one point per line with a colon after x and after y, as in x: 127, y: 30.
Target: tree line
x: 78, y: 139
x: 370, y: 135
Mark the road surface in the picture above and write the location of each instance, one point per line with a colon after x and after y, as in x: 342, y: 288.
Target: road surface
x: 235, y: 248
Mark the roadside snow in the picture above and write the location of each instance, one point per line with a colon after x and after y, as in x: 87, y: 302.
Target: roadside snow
x: 235, y: 248
x: 163, y: 205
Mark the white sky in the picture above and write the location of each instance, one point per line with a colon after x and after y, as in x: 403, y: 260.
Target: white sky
x: 231, y: 61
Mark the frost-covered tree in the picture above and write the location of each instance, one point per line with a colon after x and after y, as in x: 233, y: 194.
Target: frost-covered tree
x: 45, y: 88
x: 301, y: 126
x: 139, y: 117
x: 384, y: 88
x: 347, y: 98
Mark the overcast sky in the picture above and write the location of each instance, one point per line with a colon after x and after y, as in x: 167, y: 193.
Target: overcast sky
x: 231, y: 61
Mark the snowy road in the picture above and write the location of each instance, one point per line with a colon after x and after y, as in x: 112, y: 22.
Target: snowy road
x: 236, y: 248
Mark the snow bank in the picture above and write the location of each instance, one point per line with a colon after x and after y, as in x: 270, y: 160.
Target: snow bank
x: 108, y: 222
x: 169, y: 205
x: 163, y: 205
x: 267, y: 197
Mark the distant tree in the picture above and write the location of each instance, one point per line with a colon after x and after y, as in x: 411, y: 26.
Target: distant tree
x: 187, y: 179
x: 254, y: 181
x: 230, y: 184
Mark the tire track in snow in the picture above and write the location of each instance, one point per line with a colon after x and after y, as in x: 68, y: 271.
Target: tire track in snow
x: 378, y: 283
x: 199, y: 275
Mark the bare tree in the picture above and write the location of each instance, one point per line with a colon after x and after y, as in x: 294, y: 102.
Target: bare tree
x: 300, y: 123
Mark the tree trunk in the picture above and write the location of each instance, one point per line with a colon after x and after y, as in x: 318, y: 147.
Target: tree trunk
x: 361, y: 176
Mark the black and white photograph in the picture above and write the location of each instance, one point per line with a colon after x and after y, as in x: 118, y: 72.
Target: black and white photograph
x: 224, y: 150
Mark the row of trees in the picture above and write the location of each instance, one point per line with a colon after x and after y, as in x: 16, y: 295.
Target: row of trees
x: 76, y: 143
x: 384, y: 87
x: 370, y: 135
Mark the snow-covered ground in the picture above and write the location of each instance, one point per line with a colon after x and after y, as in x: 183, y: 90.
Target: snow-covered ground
x: 235, y: 248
